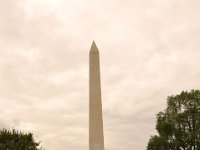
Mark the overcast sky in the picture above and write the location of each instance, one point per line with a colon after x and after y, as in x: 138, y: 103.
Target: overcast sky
x: 149, y: 49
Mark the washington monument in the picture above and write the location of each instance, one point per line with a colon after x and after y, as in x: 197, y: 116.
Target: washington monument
x: 96, y: 136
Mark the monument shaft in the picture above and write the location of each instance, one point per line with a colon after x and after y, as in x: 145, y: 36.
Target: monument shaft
x: 96, y: 137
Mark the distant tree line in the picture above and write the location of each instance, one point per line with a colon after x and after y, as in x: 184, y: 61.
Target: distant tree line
x: 17, y: 140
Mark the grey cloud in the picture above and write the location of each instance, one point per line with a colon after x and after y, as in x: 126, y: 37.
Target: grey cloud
x: 149, y: 50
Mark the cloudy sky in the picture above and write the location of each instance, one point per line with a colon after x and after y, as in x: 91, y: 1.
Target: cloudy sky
x: 149, y: 49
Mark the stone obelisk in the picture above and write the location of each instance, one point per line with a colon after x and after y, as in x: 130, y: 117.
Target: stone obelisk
x: 96, y: 136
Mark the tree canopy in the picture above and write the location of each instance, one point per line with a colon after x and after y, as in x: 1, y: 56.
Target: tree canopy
x: 16, y: 140
x: 178, y: 125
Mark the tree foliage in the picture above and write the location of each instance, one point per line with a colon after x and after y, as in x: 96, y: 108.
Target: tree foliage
x: 16, y: 140
x: 178, y: 125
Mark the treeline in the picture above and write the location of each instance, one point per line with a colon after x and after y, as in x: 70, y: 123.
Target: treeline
x: 178, y: 125
x: 17, y: 140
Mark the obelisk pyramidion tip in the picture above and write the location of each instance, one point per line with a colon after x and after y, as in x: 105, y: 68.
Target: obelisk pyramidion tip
x: 94, y: 47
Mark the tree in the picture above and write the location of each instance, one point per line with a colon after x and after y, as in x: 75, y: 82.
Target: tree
x: 178, y: 125
x: 16, y: 140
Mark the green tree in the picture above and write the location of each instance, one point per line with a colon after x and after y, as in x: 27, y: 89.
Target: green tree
x: 178, y: 125
x: 16, y: 140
